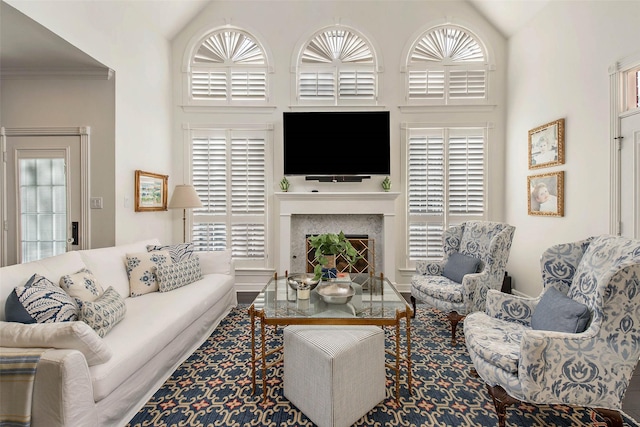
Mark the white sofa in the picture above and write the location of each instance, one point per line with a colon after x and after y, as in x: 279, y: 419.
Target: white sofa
x: 75, y: 386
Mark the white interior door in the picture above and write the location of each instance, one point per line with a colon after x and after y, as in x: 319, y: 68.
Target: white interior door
x: 42, y: 196
x: 630, y: 175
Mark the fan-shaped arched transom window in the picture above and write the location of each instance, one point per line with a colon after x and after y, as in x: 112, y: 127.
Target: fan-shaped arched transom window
x: 447, y: 65
x: 228, y: 65
x: 337, y: 65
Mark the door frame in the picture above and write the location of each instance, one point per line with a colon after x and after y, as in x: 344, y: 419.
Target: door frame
x: 83, y: 133
x: 617, y: 102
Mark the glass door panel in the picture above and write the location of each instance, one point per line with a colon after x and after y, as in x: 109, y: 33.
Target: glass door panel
x: 43, y: 207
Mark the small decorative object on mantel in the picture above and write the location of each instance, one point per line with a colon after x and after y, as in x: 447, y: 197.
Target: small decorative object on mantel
x: 284, y: 184
x: 386, y: 184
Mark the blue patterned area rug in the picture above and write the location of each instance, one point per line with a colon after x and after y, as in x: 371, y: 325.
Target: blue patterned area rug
x: 213, y: 387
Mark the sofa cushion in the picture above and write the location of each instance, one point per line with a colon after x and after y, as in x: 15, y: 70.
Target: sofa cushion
x: 152, y: 322
x: 179, y: 252
x: 176, y: 275
x: 40, y: 301
x: 215, y: 262
x: 458, y: 265
x: 105, y: 312
x: 141, y: 268
x: 63, y: 335
x: 81, y: 286
x: 439, y: 287
x: 109, y: 264
x: 557, y: 312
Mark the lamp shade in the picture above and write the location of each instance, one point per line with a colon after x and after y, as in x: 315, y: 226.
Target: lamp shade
x: 184, y: 197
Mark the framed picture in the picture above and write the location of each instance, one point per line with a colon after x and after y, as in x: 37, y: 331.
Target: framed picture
x: 546, y: 194
x: 546, y: 145
x: 151, y: 191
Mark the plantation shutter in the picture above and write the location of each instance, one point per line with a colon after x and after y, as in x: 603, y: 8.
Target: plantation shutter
x: 446, y: 64
x: 337, y: 64
x: 446, y: 184
x: 228, y: 173
x: 228, y: 65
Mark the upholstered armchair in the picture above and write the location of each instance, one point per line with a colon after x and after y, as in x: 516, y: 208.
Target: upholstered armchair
x: 577, y: 343
x: 474, y: 261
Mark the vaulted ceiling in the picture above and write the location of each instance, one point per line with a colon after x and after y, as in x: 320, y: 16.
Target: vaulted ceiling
x: 26, y: 45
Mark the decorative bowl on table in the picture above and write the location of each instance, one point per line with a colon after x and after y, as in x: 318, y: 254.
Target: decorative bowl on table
x: 336, y: 292
x: 294, y: 280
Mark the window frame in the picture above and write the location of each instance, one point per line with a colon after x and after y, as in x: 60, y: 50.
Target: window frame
x: 227, y: 67
x: 434, y: 223
x: 335, y: 68
x: 447, y: 66
x: 227, y: 217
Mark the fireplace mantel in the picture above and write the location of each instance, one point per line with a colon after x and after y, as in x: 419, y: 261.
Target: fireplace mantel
x: 333, y: 203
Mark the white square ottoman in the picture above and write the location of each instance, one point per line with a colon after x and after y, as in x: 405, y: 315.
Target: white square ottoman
x: 334, y: 374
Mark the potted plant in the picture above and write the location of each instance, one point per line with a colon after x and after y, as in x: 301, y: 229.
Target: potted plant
x: 331, y: 244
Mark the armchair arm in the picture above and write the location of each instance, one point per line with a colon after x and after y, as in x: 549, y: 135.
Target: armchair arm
x: 559, y: 263
x: 510, y: 307
x: 474, y: 290
x: 579, y: 369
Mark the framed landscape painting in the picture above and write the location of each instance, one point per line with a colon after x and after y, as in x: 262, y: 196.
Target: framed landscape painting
x: 546, y: 145
x: 151, y: 191
x: 546, y: 194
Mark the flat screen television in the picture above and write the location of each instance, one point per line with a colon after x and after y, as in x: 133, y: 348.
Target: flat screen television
x: 343, y: 143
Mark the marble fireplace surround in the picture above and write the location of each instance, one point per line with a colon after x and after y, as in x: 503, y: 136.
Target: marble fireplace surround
x: 334, y: 207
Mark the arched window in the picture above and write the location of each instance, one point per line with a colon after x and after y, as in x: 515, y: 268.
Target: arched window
x: 228, y: 66
x: 447, y: 65
x: 337, y: 66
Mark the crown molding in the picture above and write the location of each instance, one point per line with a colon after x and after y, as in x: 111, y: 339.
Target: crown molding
x: 56, y: 73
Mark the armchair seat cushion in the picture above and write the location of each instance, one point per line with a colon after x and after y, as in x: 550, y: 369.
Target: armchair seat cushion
x: 439, y: 287
x: 496, y: 341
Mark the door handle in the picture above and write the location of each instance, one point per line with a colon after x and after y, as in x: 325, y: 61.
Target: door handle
x: 74, y: 233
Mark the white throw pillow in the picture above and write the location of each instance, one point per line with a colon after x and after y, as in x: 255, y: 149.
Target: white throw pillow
x: 62, y: 335
x: 105, y: 312
x: 81, y: 286
x: 141, y: 269
x: 215, y: 262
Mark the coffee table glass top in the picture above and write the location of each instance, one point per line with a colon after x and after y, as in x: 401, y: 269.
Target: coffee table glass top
x: 375, y: 298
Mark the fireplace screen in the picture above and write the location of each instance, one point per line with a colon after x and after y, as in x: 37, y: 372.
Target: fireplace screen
x: 362, y: 244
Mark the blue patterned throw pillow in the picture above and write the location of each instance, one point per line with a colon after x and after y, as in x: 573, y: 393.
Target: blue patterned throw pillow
x: 557, y: 312
x: 174, y: 276
x: 141, y: 269
x: 105, y: 312
x: 40, y: 301
x: 81, y: 286
x: 179, y: 252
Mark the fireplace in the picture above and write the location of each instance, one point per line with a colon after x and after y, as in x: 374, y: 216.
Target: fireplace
x: 370, y: 213
x: 364, y: 246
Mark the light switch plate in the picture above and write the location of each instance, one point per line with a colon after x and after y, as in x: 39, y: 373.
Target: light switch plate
x: 96, y: 203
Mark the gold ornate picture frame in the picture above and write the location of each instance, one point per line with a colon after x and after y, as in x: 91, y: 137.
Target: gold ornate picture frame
x: 546, y: 145
x: 151, y: 191
x: 546, y: 194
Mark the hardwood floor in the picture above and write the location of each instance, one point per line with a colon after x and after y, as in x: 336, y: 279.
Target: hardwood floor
x: 630, y: 404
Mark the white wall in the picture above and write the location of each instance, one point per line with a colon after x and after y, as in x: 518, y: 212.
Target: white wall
x: 558, y: 68
x: 141, y: 59
x: 78, y: 103
x: 391, y: 25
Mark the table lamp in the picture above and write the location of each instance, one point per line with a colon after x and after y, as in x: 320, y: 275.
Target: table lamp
x: 184, y: 197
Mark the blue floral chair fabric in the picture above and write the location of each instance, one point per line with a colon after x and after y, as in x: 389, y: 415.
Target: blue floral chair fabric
x: 589, y: 369
x: 490, y: 242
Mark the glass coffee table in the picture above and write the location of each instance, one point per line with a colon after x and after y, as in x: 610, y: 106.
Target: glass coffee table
x: 375, y: 302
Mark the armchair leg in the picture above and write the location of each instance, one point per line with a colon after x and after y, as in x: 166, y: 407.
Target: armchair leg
x: 501, y: 400
x: 613, y: 418
x: 454, y: 318
x: 413, y: 303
